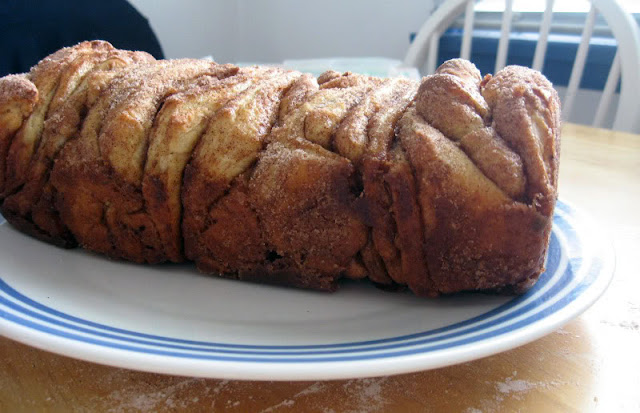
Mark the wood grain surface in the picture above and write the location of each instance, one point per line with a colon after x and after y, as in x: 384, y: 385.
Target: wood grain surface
x: 590, y: 364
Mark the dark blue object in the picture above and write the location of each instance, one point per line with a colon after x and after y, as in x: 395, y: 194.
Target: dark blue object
x: 561, y: 53
x: 31, y: 30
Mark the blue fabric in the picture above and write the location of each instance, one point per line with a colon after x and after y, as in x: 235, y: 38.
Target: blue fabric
x: 561, y: 52
x: 31, y: 30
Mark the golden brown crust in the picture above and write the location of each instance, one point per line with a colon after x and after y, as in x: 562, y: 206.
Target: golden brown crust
x: 55, y: 77
x: 230, y: 145
x: 496, y: 160
x: 98, y: 176
x: 462, y: 69
x: 451, y: 101
x: 178, y: 127
x: 268, y: 175
x: 365, y: 137
x: 352, y: 137
x: 35, y: 198
x: 302, y: 194
x: 526, y: 114
x: 476, y: 237
x: 303, y: 88
x: 325, y: 111
x: 451, y: 105
x: 18, y: 97
x: 409, y: 235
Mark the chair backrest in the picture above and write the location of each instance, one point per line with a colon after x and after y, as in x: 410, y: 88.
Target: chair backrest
x: 625, y: 68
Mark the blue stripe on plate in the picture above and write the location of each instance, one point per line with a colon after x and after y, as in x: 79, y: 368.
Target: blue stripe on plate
x: 418, y: 342
x: 567, y: 299
x: 104, y: 331
x: 480, y: 327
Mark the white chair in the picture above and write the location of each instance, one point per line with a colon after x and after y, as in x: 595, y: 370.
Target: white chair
x: 626, y: 62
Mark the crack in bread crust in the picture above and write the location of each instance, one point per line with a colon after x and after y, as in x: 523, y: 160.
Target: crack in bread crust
x: 33, y: 203
x: 451, y: 101
x: 179, y: 126
x: 526, y: 114
x: 476, y: 236
x: 18, y: 98
x: 375, y: 169
x: 231, y: 144
x: 55, y: 77
x: 109, y: 158
x: 270, y: 175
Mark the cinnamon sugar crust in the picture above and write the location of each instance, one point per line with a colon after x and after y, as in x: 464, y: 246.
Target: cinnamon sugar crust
x: 274, y: 176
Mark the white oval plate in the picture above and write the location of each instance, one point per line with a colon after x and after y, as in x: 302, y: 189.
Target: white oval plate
x: 170, y: 319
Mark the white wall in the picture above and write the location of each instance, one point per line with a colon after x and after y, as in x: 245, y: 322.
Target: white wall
x: 271, y: 31
x: 586, y: 104
x: 274, y: 30
x: 191, y: 28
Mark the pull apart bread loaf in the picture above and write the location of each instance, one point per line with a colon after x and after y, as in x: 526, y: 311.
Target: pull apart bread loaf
x: 270, y: 175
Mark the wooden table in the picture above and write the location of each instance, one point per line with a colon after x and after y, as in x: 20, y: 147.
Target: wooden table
x: 591, y: 364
